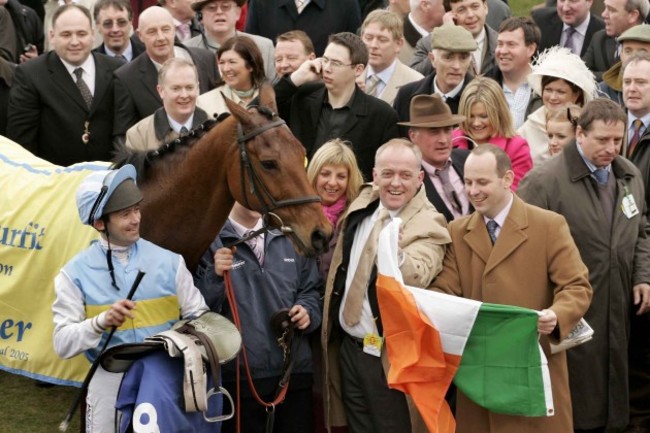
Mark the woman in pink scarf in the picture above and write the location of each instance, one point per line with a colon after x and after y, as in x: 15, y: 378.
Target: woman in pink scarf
x: 334, y: 174
x: 488, y: 120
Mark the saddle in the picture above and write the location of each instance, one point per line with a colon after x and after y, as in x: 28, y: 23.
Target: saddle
x: 203, y: 343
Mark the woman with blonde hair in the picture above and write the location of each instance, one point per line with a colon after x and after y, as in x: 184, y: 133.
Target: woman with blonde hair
x: 560, y: 78
x: 335, y: 175
x: 561, y: 127
x: 242, y: 73
x: 488, y: 120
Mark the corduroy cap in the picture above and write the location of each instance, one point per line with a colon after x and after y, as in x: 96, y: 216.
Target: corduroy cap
x: 453, y: 38
x: 637, y: 33
x: 430, y: 111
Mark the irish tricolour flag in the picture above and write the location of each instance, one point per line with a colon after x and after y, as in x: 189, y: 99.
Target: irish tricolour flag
x: 490, y: 351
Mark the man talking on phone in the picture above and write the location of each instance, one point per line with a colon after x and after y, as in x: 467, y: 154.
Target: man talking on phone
x: 326, y: 102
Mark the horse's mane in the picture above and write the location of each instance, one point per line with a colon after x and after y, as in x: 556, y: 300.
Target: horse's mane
x: 143, y: 159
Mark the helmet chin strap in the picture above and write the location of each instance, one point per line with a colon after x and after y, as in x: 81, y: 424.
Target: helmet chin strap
x: 109, y: 253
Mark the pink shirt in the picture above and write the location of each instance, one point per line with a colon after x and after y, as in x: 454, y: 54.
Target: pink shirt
x: 516, y: 148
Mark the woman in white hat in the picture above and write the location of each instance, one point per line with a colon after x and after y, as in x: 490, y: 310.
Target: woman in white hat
x: 561, y: 78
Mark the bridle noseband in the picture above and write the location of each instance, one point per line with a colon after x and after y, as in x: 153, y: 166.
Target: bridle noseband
x: 258, y: 189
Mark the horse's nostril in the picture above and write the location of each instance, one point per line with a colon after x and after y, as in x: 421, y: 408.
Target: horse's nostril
x: 319, y: 241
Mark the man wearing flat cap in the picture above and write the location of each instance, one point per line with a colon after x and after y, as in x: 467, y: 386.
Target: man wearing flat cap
x: 91, y: 288
x: 430, y: 126
x: 633, y: 40
x: 219, y: 18
x: 451, y: 52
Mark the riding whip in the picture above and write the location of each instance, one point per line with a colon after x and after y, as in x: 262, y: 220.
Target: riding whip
x: 84, y: 386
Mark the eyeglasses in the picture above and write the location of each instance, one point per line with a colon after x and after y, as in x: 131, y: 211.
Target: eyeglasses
x: 121, y: 23
x: 333, y: 63
x: 215, y: 6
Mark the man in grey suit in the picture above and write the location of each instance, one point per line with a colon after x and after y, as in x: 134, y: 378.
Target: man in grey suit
x: 61, y: 103
x: 219, y: 18
x: 135, y: 83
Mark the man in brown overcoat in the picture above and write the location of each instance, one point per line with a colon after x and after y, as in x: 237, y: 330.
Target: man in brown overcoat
x: 508, y: 252
x: 601, y: 195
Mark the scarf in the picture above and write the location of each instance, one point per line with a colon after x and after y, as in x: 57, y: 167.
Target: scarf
x: 333, y: 211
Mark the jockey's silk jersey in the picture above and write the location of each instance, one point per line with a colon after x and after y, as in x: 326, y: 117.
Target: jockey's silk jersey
x: 157, y: 303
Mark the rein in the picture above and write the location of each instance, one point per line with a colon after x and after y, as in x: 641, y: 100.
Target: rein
x: 283, y: 385
x: 259, y: 190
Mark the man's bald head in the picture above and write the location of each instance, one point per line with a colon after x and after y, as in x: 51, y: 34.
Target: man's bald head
x: 152, y: 15
x: 156, y: 31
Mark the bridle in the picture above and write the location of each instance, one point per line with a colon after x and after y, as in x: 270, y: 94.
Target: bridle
x: 258, y: 189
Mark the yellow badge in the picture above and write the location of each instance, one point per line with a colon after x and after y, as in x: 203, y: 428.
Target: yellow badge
x: 372, y: 344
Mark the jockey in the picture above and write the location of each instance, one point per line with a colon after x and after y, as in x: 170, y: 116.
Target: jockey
x: 91, y: 288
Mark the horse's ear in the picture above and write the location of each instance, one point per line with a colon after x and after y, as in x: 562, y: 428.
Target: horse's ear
x: 267, y: 96
x: 239, y: 112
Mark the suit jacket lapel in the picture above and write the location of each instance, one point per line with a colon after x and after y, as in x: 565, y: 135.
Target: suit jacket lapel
x: 148, y: 77
x: 315, y: 103
x: 62, y: 78
x: 435, y: 199
x: 477, y: 237
x: 103, y: 78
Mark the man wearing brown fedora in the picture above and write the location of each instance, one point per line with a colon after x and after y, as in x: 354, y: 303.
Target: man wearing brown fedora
x: 430, y: 126
x: 451, y: 53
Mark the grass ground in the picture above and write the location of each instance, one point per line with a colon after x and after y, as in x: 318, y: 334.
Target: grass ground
x: 522, y: 7
x: 27, y: 408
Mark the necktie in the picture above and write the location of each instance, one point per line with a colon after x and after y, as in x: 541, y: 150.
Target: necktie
x: 373, y: 84
x: 183, y: 131
x: 492, y: 230
x: 570, y: 42
x: 183, y: 31
x: 121, y: 57
x: 300, y: 5
x: 601, y: 175
x: 636, y: 134
x: 357, y: 290
x: 257, y: 245
x: 448, y: 188
x: 473, y: 66
x: 83, y: 87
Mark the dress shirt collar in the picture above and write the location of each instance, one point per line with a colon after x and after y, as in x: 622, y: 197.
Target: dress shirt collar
x: 176, y: 126
x: 500, y: 218
x: 452, y: 94
x: 128, y: 52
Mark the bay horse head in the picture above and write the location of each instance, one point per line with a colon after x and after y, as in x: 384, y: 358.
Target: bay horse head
x: 272, y: 177
x: 190, y: 185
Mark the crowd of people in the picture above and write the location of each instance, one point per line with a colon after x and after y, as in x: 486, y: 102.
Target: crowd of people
x: 511, y: 148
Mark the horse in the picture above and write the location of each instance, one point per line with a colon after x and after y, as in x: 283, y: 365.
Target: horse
x: 190, y: 184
